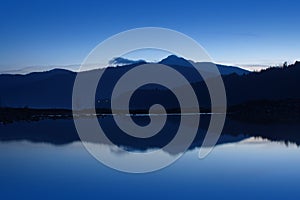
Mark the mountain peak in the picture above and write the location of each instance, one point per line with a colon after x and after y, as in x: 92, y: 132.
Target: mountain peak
x: 175, y: 60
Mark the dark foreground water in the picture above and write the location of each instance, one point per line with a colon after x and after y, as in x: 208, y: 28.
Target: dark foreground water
x: 240, y: 167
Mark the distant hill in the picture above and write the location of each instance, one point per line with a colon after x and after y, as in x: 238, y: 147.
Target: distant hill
x: 274, y: 83
x: 51, y: 89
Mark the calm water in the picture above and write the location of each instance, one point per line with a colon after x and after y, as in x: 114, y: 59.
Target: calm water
x: 241, y: 167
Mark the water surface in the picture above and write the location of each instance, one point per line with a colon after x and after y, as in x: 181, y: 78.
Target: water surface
x: 241, y: 166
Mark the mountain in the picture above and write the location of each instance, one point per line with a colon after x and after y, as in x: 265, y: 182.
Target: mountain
x: 176, y: 61
x: 270, y: 95
x: 276, y: 85
x: 173, y: 60
x: 53, y: 89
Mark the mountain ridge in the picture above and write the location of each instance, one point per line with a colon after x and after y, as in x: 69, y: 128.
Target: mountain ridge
x: 169, y: 60
x: 53, y: 89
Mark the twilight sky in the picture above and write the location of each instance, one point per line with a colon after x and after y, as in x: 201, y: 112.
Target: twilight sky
x: 62, y: 33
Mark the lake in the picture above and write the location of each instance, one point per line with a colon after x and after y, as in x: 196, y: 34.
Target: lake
x: 46, y: 160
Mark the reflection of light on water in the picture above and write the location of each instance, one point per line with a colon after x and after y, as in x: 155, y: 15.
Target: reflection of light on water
x: 255, y: 140
x: 112, y: 149
x: 263, y: 141
x: 143, y: 115
x: 113, y: 155
x: 232, y: 171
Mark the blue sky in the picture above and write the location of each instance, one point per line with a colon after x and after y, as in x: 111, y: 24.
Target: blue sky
x: 62, y: 33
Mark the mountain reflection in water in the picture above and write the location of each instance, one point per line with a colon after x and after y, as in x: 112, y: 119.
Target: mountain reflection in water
x: 63, y: 131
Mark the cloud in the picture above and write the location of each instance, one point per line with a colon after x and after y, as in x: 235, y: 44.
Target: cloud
x: 123, y: 61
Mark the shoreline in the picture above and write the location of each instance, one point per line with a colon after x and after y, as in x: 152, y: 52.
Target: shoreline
x: 263, y: 111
